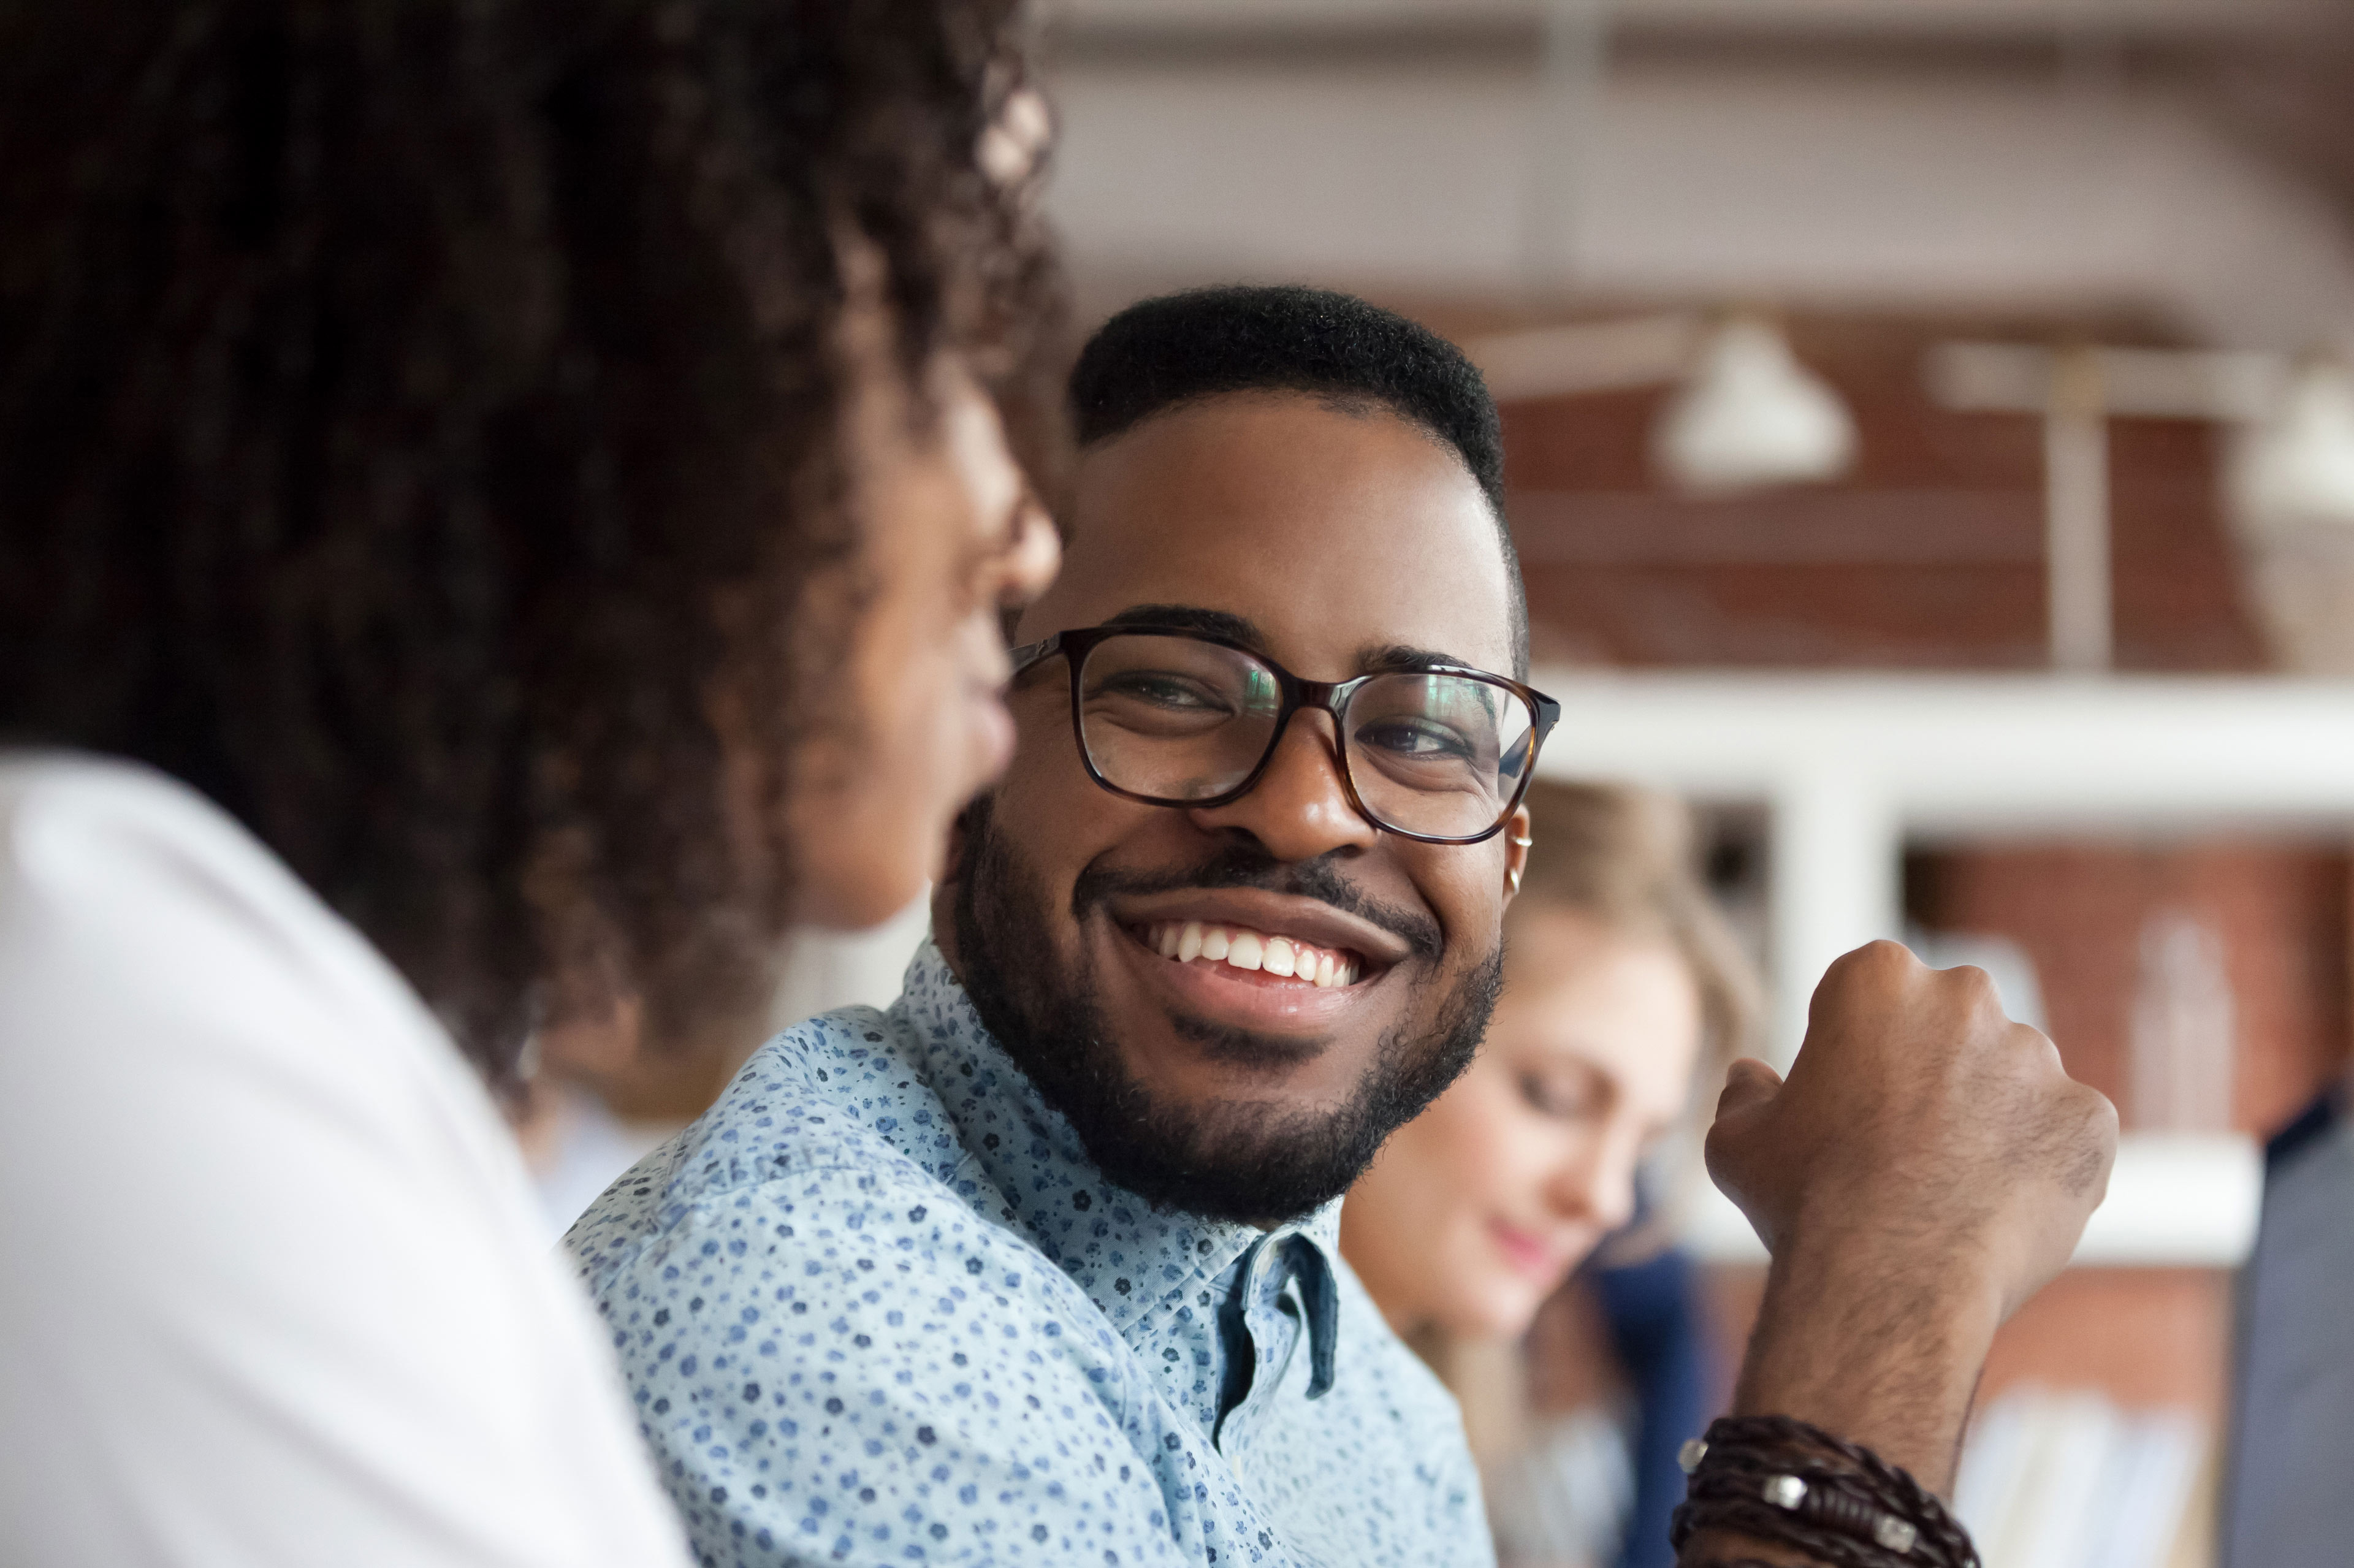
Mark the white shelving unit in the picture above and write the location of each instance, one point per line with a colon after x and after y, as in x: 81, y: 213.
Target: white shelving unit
x: 2176, y: 1201
x: 1851, y: 768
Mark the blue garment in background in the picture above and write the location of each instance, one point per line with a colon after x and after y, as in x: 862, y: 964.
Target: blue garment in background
x: 1653, y: 1309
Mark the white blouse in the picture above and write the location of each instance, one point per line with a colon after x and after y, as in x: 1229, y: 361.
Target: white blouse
x: 273, y: 1287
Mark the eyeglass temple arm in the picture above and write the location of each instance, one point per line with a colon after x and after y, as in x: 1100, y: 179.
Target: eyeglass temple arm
x: 1522, y: 752
x: 1037, y: 653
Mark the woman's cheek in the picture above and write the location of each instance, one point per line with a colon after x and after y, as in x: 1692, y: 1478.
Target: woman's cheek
x: 1499, y: 1150
x: 1475, y: 1171
x: 1419, y: 1190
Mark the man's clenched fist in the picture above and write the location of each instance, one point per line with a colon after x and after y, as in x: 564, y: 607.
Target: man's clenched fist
x: 1920, y: 1133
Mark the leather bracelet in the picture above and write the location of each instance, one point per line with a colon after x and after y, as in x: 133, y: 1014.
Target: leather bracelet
x: 1824, y: 1498
x: 1761, y: 1521
x: 1774, y: 1479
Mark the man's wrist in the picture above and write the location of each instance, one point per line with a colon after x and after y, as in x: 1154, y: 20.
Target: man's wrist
x: 1947, y: 1272
x: 1881, y: 1348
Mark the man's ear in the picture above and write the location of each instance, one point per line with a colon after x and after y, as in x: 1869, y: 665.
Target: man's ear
x: 1516, y: 853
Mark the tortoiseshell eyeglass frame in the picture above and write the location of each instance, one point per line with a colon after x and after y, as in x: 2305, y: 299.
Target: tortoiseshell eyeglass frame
x: 1298, y: 694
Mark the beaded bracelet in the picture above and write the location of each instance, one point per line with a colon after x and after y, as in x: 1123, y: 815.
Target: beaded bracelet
x: 1774, y: 1478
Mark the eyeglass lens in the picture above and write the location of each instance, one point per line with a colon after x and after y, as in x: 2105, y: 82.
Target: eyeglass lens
x: 1174, y: 719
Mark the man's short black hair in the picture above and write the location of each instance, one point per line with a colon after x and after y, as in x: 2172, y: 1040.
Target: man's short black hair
x: 1204, y: 343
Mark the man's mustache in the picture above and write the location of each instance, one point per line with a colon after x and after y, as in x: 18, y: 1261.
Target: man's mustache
x: 1244, y: 866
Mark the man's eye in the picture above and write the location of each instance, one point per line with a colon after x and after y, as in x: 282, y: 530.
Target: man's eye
x: 1164, y: 690
x: 1413, y: 737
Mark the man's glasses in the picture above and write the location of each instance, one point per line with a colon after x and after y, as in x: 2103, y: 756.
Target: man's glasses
x: 1175, y: 718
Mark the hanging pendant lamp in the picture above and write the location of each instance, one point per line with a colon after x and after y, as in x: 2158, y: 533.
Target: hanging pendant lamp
x: 1750, y: 416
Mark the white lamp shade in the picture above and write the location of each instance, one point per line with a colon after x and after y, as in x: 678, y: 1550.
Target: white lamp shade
x: 2297, y: 470
x: 1751, y: 415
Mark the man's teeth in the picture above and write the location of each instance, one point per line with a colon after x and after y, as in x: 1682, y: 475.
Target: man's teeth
x: 1244, y: 949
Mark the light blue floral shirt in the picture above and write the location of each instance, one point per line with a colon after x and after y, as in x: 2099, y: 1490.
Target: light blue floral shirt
x: 877, y: 1307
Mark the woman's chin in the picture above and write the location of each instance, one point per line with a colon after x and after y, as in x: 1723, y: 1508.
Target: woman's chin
x: 861, y: 893
x: 1500, y: 1309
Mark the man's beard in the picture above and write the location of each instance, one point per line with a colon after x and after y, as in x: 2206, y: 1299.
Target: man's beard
x: 1232, y: 1159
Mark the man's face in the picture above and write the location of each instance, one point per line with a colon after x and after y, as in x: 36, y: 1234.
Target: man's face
x: 1336, y: 544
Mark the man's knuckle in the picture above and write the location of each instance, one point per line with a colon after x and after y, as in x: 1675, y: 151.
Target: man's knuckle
x: 1972, y: 990
x: 2032, y: 1048
x: 1873, y: 957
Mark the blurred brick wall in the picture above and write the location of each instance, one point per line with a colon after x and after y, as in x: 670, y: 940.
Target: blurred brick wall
x: 2079, y: 910
x: 1929, y: 556
x: 1924, y: 570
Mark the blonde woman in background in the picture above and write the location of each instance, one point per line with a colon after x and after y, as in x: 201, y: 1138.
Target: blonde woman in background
x: 1622, y: 985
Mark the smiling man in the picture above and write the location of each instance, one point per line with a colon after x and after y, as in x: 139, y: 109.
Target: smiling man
x: 1235, y: 908
x: 1041, y: 1265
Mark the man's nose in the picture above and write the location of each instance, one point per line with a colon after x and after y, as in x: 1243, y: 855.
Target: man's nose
x: 1299, y: 809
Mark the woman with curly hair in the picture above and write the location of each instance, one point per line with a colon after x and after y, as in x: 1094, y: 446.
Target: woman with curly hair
x: 502, y: 510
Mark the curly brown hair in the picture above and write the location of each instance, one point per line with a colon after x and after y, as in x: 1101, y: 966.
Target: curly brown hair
x: 392, y: 390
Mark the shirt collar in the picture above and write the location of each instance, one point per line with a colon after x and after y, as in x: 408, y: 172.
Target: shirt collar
x: 1138, y: 1263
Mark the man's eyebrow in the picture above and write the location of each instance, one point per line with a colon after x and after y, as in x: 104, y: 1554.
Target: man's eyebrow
x: 1194, y: 618
x: 1397, y: 657
x: 1381, y: 659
